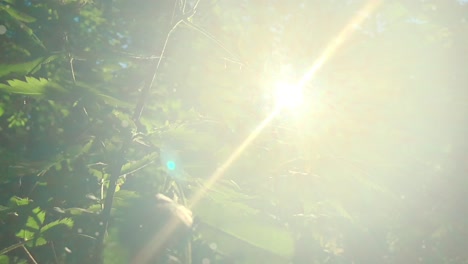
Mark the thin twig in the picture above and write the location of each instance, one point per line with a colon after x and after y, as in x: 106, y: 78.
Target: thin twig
x: 12, y: 247
x: 147, y: 89
x: 115, y: 170
x: 212, y: 38
x: 29, y: 255
x: 53, y: 251
x: 184, y: 5
x: 173, y: 11
x: 194, y: 9
x: 72, y: 68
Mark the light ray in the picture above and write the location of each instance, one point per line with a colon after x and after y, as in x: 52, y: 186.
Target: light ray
x: 333, y: 46
x: 326, y: 54
x: 159, y: 239
x: 154, y: 247
x: 232, y: 158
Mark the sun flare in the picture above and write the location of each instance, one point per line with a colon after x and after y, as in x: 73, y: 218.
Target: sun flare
x: 288, y: 95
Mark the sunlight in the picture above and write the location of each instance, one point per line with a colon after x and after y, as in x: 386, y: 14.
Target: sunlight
x: 231, y: 159
x: 171, y: 226
x: 339, y: 40
x: 288, y: 95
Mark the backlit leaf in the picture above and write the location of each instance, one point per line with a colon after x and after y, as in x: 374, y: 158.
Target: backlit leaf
x: 31, y: 86
x: 17, y: 14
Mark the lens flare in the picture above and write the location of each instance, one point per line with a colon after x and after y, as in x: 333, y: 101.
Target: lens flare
x: 288, y: 95
x: 338, y: 41
x: 171, y: 165
x: 231, y: 159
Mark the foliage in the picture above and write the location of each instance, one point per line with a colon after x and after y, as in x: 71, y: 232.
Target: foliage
x: 105, y: 104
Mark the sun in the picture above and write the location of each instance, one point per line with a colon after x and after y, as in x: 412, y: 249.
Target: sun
x: 288, y: 95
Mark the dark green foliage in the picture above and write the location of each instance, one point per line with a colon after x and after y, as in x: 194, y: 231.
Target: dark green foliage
x: 149, y: 216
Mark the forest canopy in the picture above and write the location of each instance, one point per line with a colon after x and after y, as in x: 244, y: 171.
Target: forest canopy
x: 248, y: 131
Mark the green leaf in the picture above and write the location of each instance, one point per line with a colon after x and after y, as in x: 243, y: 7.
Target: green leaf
x: 68, y: 222
x: 139, y: 164
x: 20, y: 16
x: 3, y: 208
x: 114, y: 101
x: 17, y: 201
x: 33, y: 228
x: 340, y: 210
x: 31, y: 34
x: 33, y: 225
x: 37, y: 242
x: 241, y: 223
x: 96, y: 173
x: 25, y: 234
x: 4, y: 259
x: 31, y: 86
x: 77, y: 211
x: 24, y: 68
x: 97, y: 94
x: 75, y: 151
x: 37, y: 219
x: 122, y: 197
